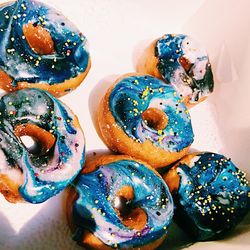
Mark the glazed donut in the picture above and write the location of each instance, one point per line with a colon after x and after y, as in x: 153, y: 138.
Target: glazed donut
x: 35, y: 175
x: 143, y: 117
x: 40, y: 48
x: 119, y: 203
x: 182, y: 62
x: 211, y: 194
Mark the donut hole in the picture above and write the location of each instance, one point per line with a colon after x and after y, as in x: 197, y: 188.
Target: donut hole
x: 185, y: 63
x: 155, y: 118
x: 32, y: 145
x: 131, y: 216
x: 39, y: 39
x: 122, y: 205
x: 36, y: 140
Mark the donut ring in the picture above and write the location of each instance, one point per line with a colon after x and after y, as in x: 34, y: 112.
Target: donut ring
x: 211, y: 194
x: 36, y: 176
x: 143, y: 117
x: 182, y: 62
x: 40, y: 48
x: 119, y: 203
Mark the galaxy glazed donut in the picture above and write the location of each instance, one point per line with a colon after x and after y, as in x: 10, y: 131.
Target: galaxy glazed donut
x: 119, y: 203
x: 211, y: 194
x: 36, y: 175
x: 143, y: 117
x: 40, y: 48
x: 182, y: 62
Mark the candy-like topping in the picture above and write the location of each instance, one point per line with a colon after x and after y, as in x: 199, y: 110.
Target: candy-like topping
x: 116, y: 197
x: 39, y: 115
x: 38, y: 44
x: 185, y: 64
x: 148, y: 109
x: 213, y: 193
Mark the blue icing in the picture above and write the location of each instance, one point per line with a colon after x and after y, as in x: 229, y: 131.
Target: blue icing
x: 196, y: 81
x: 67, y: 119
x: 18, y: 59
x: 93, y: 210
x: 213, y: 195
x: 42, y: 178
x: 135, y: 94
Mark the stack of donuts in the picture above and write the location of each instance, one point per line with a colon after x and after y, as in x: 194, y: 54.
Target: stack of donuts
x: 126, y: 199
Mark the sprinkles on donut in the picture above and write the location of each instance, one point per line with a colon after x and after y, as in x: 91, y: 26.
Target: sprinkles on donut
x: 32, y: 175
x: 40, y: 48
x: 182, y: 62
x: 210, y: 193
x: 143, y: 117
x: 119, y: 203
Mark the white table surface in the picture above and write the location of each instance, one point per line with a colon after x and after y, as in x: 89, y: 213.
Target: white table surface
x: 117, y: 31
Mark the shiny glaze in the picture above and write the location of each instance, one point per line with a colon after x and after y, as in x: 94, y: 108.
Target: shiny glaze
x: 195, y: 80
x: 21, y: 63
x: 94, y: 209
x: 43, y: 175
x: 135, y: 94
x: 213, y: 195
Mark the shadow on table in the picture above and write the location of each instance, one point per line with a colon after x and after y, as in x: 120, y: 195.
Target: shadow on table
x: 96, y: 96
x: 176, y: 239
x: 48, y: 229
x: 6, y: 231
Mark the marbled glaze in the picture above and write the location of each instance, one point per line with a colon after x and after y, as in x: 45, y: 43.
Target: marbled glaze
x: 46, y: 175
x: 18, y: 59
x: 195, y: 82
x: 213, y: 195
x: 133, y: 95
x: 94, y: 211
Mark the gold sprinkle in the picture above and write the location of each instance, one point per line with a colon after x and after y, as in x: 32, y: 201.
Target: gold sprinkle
x: 145, y: 92
x: 159, y: 132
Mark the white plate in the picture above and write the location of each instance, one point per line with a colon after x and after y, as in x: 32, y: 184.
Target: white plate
x: 117, y: 31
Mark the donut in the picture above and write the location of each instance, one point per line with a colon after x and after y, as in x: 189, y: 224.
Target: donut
x: 40, y: 48
x: 119, y: 203
x: 143, y: 117
x: 181, y: 62
x: 211, y: 194
x: 35, y: 174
